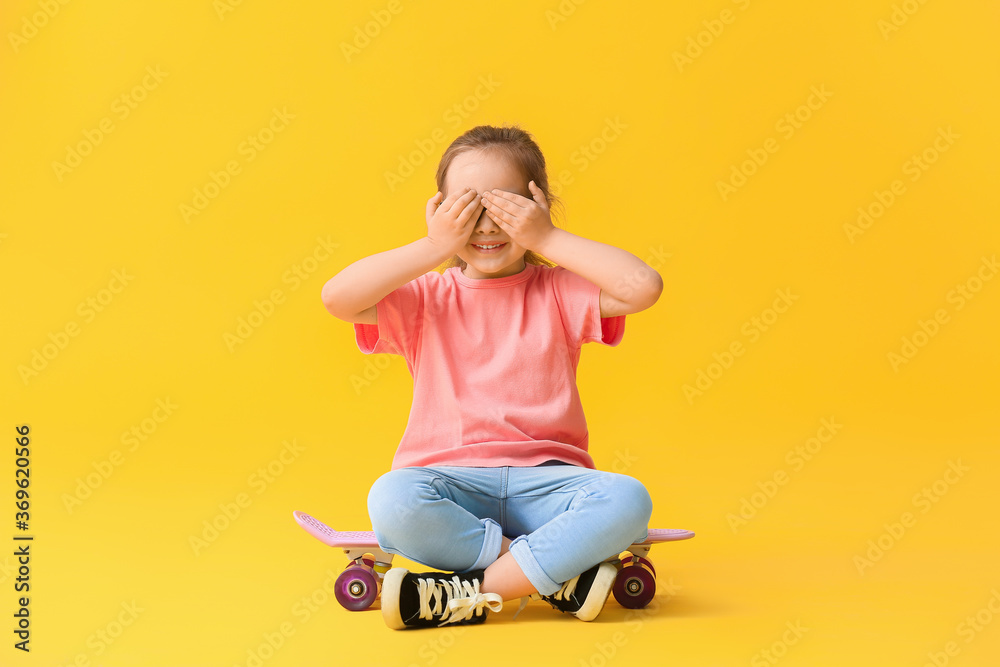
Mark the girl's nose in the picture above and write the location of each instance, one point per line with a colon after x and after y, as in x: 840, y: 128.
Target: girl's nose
x: 486, y: 222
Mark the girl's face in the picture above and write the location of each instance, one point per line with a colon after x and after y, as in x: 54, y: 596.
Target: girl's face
x: 484, y: 172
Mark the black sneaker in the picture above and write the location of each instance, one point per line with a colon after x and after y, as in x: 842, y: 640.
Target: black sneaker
x: 429, y: 599
x: 584, y: 595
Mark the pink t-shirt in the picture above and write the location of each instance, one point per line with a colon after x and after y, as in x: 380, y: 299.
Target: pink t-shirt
x: 493, y: 364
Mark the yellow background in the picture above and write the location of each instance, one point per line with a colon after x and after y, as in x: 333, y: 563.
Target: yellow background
x: 563, y: 71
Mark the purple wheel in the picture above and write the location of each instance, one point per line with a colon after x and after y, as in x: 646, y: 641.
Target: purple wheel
x: 356, y: 588
x: 639, y: 560
x: 635, y: 586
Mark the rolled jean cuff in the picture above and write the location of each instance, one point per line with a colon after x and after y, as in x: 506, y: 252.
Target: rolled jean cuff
x: 521, y: 552
x: 492, y: 541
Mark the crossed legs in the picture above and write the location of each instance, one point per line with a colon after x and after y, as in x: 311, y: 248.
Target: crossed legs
x: 565, y: 519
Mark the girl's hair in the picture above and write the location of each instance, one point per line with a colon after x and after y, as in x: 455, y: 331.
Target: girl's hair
x: 519, y: 149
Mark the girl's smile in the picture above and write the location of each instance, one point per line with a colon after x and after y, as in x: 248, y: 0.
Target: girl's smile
x: 489, y: 248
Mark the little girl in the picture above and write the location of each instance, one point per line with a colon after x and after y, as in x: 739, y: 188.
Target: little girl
x: 492, y: 480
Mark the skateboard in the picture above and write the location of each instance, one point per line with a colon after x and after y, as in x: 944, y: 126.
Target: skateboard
x: 359, y: 585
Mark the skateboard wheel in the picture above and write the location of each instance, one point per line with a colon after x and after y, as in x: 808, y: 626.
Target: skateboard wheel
x: 635, y: 584
x: 640, y: 560
x: 356, y: 588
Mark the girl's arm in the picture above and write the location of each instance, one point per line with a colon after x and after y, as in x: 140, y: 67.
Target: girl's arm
x: 351, y: 295
x: 628, y: 285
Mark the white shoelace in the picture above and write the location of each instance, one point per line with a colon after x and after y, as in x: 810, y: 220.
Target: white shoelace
x: 563, y: 593
x: 461, y: 599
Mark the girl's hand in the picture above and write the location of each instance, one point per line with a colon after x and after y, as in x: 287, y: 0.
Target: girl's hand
x: 450, y: 222
x: 526, y: 221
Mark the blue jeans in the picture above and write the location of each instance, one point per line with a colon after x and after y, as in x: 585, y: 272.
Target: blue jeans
x: 563, y: 519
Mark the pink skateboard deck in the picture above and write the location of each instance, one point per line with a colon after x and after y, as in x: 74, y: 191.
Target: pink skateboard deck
x: 359, y: 584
